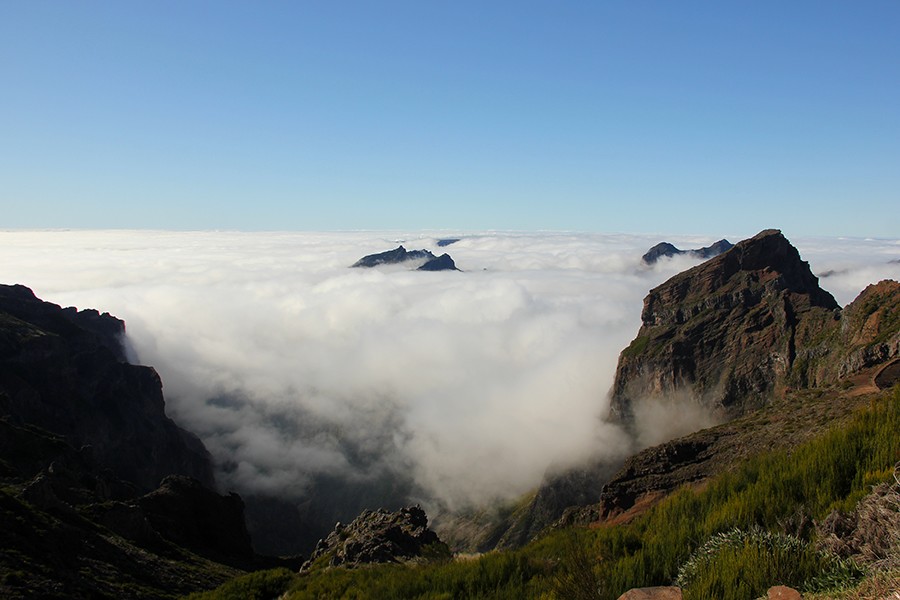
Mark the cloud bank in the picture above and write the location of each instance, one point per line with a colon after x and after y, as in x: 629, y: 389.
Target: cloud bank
x: 293, y: 367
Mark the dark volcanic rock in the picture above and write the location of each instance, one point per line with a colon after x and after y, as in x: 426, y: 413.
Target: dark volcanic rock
x: 64, y: 371
x: 380, y: 537
x: 665, y: 249
x: 393, y: 257
x: 725, y: 331
x: 185, y: 512
x: 401, y: 255
x: 440, y: 263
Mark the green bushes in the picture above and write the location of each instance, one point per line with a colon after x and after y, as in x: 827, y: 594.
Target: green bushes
x: 497, y: 575
x: 260, y: 585
x: 738, y: 565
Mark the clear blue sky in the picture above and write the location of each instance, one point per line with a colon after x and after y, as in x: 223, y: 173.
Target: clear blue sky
x: 636, y: 116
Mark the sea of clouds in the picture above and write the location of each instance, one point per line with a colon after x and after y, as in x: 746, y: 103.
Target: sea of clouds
x: 290, y: 365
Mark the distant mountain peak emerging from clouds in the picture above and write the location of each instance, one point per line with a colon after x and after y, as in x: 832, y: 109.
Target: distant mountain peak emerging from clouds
x: 665, y: 249
x: 401, y: 255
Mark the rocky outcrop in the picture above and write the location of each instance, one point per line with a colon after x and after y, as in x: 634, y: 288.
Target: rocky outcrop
x: 653, y: 593
x: 725, y: 332
x: 65, y: 371
x: 782, y: 592
x: 665, y: 249
x: 380, y: 537
x: 398, y: 255
x: 439, y: 263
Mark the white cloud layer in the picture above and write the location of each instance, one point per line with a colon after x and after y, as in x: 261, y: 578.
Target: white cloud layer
x: 291, y: 365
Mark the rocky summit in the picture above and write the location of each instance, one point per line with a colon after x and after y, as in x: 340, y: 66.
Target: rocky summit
x: 398, y: 255
x: 380, y: 536
x: 724, y: 333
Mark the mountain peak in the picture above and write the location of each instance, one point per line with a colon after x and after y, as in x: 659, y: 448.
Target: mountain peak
x: 723, y: 333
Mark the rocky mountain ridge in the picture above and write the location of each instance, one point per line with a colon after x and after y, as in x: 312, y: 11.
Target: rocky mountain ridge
x: 750, y: 336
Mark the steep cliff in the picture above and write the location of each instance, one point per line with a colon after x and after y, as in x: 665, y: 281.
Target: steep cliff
x: 725, y: 332
x: 65, y: 371
x: 83, y: 438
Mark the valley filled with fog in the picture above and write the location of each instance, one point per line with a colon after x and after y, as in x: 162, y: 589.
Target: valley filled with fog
x: 464, y: 387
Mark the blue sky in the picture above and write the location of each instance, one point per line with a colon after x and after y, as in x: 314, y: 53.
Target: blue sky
x: 672, y: 117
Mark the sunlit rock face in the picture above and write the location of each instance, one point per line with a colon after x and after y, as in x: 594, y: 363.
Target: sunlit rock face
x: 725, y: 332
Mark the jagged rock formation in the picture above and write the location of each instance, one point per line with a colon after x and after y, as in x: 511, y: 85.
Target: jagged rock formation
x: 65, y: 371
x: 439, y: 263
x: 665, y: 249
x: 380, y: 537
x: 398, y: 255
x: 724, y: 332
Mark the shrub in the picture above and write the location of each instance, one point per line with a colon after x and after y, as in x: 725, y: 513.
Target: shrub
x: 260, y: 585
x: 742, y: 564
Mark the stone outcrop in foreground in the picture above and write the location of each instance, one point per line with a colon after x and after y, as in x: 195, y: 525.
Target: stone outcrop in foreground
x: 381, y: 536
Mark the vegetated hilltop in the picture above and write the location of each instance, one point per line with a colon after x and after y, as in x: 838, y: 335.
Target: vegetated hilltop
x: 748, y: 329
x: 101, y: 494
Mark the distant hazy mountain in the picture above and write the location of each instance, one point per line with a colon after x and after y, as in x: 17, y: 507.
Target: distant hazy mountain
x: 666, y: 249
x: 401, y: 255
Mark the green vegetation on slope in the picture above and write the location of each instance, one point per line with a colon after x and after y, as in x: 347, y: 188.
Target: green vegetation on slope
x: 766, y: 493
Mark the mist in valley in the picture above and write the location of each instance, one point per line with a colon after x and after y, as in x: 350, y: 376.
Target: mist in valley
x: 332, y: 389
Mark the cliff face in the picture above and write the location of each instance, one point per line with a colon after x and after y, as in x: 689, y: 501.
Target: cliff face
x: 83, y: 437
x: 65, y: 371
x: 725, y: 332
